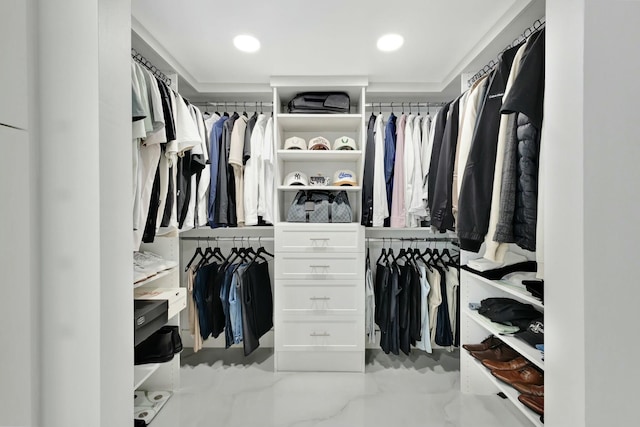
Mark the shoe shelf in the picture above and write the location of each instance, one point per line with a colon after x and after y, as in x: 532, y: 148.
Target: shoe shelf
x: 320, y: 155
x: 155, y: 277
x: 142, y: 372
x: 512, y: 394
x: 506, y: 287
x: 530, y: 353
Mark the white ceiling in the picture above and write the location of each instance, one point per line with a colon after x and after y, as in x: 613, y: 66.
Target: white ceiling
x: 326, y: 37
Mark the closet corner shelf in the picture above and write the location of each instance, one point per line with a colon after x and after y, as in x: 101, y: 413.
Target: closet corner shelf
x: 512, y: 395
x: 152, y: 279
x: 346, y: 188
x: 320, y: 122
x: 518, y: 345
x: 142, y: 372
x: 321, y: 155
x: 506, y: 287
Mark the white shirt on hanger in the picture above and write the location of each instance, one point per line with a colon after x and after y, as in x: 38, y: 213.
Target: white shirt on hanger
x: 416, y: 208
x: 252, y: 171
x: 265, y: 204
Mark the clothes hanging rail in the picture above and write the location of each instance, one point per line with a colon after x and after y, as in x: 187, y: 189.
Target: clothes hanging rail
x: 401, y: 104
x: 257, y: 239
x: 235, y: 104
x: 413, y: 239
x: 537, y: 25
x: 149, y: 66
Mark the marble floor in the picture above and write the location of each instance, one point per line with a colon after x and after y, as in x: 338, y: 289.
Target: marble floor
x: 223, y: 388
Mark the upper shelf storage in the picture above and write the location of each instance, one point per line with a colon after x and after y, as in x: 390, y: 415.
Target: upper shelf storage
x: 319, y: 122
x: 320, y: 155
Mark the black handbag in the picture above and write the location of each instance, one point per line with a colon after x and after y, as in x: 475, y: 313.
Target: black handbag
x: 320, y: 102
x: 320, y: 206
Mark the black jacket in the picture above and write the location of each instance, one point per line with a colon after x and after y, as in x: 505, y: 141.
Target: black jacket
x: 517, y: 221
x: 474, y: 204
x: 438, y: 134
x: 442, y: 204
x: 367, y: 179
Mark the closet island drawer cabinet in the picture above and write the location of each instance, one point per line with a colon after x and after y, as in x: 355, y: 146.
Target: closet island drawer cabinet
x: 319, y: 297
x: 317, y: 238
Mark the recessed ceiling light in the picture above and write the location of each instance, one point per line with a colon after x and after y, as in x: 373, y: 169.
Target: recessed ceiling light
x: 246, y: 43
x: 390, y: 42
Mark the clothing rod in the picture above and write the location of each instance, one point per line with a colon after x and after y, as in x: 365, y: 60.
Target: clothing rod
x: 230, y: 239
x: 537, y: 25
x: 234, y: 103
x: 412, y: 239
x: 408, y: 104
x: 149, y: 66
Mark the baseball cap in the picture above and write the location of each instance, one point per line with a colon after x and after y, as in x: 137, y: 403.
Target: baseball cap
x: 296, y: 178
x: 534, y: 334
x: 344, y: 177
x: 344, y: 143
x: 319, y: 143
x: 295, y: 143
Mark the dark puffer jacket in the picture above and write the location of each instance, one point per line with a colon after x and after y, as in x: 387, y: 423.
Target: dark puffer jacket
x: 519, y: 194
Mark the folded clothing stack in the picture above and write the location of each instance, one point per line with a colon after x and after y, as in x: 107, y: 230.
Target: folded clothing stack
x: 147, y: 264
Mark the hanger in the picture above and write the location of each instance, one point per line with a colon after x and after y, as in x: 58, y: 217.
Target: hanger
x: 198, y: 252
x: 383, y: 252
x: 418, y: 108
x: 244, y: 113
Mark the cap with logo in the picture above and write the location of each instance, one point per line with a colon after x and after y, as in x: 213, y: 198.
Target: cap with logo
x: 344, y: 143
x: 534, y: 334
x: 296, y: 178
x: 344, y: 177
x: 319, y: 143
x: 295, y: 143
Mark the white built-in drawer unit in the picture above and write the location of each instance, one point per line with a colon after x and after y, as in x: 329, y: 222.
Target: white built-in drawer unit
x: 320, y: 266
x: 315, y: 333
x: 315, y: 238
x: 319, y: 297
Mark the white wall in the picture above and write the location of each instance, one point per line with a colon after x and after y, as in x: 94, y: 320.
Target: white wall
x: 84, y: 119
x: 611, y: 210
x: 590, y: 136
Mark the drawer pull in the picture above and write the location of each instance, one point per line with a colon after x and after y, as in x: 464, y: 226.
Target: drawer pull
x: 324, y: 334
x: 319, y: 266
x: 319, y: 298
x: 324, y: 241
x: 318, y: 238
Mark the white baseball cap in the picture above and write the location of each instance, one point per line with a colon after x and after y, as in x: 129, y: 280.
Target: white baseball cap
x: 319, y: 143
x: 295, y: 143
x: 296, y: 178
x: 344, y: 177
x: 344, y: 143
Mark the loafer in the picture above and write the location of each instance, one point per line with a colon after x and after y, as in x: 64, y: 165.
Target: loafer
x: 527, y: 375
x: 510, y: 365
x: 535, y: 403
x: 530, y: 389
x: 500, y: 353
x: 486, y: 344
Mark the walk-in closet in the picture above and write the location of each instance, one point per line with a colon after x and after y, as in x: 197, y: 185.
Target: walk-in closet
x: 340, y: 213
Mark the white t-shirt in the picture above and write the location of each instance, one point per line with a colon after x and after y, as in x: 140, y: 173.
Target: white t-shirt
x: 187, y: 135
x: 265, y: 204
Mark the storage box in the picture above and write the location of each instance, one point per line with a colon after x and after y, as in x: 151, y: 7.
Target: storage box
x: 176, y: 297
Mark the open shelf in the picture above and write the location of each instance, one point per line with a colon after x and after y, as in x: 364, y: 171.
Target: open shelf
x: 319, y: 187
x: 142, y: 372
x: 157, y: 276
x: 518, y: 345
x: 320, y: 122
x: 512, y: 395
x: 320, y: 155
x: 505, y: 286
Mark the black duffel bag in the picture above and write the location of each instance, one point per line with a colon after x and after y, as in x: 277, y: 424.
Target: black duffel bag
x: 320, y: 102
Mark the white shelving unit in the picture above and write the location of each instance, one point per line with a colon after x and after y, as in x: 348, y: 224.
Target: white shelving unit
x: 346, y: 188
x: 156, y: 277
x: 320, y: 155
x: 474, y: 377
x: 142, y: 372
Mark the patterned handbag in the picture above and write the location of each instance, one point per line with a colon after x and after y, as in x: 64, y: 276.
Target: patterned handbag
x: 320, y: 206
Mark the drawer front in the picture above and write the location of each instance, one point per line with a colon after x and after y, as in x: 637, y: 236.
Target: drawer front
x: 334, y: 297
x: 320, y: 361
x: 319, y: 239
x: 328, y: 334
x: 349, y: 266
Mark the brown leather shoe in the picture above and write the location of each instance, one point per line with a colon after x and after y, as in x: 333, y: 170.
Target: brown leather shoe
x: 527, y: 375
x: 501, y: 353
x: 535, y: 403
x: 531, y: 389
x: 517, y: 363
x: 486, y: 344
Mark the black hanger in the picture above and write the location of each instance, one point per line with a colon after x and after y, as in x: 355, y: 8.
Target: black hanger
x: 197, y: 253
x: 383, y: 253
